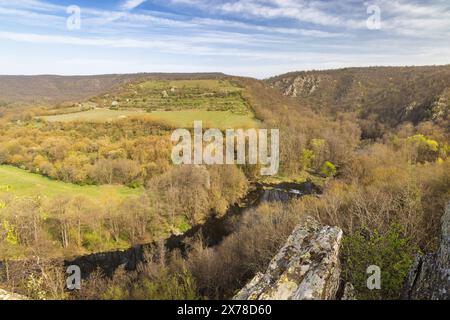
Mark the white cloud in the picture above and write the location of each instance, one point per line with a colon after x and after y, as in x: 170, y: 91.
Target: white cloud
x: 213, y: 44
x: 92, y: 41
x: 297, y: 10
x: 124, y: 21
x: 131, y: 4
x: 33, y: 4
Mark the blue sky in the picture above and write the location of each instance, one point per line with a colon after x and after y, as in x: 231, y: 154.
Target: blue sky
x: 258, y: 38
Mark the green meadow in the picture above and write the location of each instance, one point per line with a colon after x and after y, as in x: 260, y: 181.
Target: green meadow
x: 94, y: 115
x: 210, y: 119
x: 185, y: 118
x: 23, y: 183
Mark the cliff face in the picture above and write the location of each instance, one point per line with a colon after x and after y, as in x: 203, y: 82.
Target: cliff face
x: 300, y: 86
x: 306, y: 268
x: 430, y: 275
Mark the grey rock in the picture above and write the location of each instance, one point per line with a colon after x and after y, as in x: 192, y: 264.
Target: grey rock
x: 429, y: 278
x: 306, y: 268
x: 4, y: 295
x: 300, y: 86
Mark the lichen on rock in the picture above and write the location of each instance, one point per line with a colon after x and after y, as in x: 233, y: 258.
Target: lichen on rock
x: 306, y: 268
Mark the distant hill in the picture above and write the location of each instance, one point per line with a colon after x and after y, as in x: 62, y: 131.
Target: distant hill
x: 386, y: 95
x: 382, y: 97
x: 56, y: 89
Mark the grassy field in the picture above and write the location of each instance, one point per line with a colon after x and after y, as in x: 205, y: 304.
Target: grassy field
x: 211, y: 119
x: 23, y: 183
x: 185, y: 119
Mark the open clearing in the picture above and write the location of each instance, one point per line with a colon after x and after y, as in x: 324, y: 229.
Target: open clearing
x: 95, y: 115
x: 23, y: 183
x: 211, y: 119
x: 185, y: 118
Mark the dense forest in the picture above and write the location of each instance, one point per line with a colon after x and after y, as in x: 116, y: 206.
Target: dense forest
x: 376, y: 141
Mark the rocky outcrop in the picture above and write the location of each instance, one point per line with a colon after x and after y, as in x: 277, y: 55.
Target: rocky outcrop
x: 430, y: 276
x: 306, y: 268
x: 299, y: 86
x: 4, y: 295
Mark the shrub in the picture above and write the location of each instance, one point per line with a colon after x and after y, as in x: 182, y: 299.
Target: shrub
x: 163, y: 285
x: 167, y: 286
x: 392, y: 252
x: 328, y: 169
x: 422, y: 149
x: 157, y: 279
x: 307, y: 159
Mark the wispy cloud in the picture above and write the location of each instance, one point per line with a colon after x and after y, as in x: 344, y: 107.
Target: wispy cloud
x: 286, y: 9
x: 131, y: 4
x: 32, y: 5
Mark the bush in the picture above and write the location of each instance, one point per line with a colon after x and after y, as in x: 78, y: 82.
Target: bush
x: 157, y: 279
x: 167, y: 285
x: 328, y: 169
x: 422, y: 149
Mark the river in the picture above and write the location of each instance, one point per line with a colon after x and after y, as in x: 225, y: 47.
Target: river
x: 213, y: 231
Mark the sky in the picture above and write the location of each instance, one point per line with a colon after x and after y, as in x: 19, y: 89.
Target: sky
x: 256, y: 38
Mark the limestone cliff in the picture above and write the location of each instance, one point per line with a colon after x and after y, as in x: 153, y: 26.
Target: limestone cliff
x: 430, y: 275
x: 300, y: 86
x: 306, y: 268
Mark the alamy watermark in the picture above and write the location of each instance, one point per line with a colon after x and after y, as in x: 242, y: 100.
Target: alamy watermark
x: 374, y: 280
x: 191, y: 150
x: 74, y: 20
x: 73, y: 281
x: 374, y: 20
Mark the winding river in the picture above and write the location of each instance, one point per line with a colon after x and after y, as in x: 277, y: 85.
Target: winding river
x: 213, y: 231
